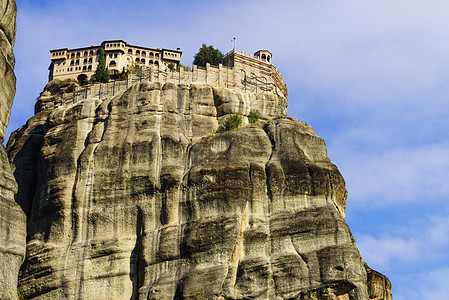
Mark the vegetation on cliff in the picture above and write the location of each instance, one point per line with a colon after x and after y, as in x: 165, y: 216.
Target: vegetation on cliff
x: 207, y: 54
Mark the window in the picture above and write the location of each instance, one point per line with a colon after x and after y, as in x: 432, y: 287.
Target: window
x: 72, y: 63
x: 156, y: 62
x: 110, y: 55
x: 89, y: 68
x: 137, y: 52
x: 90, y: 60
x: 91, y: 53
x: 157, y: 54
x: 150, y: 62
x: 130, y: 51
x: 85, y: 53
x: 78, y: 54
x: 112, y: 63
x: 142, y: 60
x: 85, y: 61
x: 72, y: 55
x: 77, y: 62
x: 84, y: 68
x: 151, y: 54
x: 144, y: 53
x: 115, y: 55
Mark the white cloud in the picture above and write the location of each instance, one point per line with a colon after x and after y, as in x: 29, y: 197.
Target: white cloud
x: 408, y: 244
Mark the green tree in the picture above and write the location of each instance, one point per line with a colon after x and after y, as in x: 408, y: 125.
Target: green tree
x: 207, y: 55
x: 102, y: 73
x: 253, y: 116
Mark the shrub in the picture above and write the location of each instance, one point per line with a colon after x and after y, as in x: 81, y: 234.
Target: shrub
x: 233, y: 122
x: 253, y: 116
x: 124, y: 74
x: 171, y: 66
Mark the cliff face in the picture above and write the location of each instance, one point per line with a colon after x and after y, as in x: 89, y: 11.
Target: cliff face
x: 12, y: 219
x: 8, y: 11
x: 136, y: 197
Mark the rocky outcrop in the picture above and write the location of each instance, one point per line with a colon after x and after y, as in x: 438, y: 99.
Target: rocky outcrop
x: 137, y: 197
x: 12, y: 219
x: 8, y: 11
x: 379, y: 286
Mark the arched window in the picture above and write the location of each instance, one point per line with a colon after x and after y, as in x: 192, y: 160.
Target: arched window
x: 91, y: 53
x: 78, y: 54
x: 77, y: 62
x: 85, y: 61
x: 85, y: 53
x: 150, y: 62
x: 112, y: 63
x: 130, y: 51
x: 98, y: 52
x: 268, y: 58
x: 144, y: 53
x: 156, y: 62
x: 264, y: 57
x: 84, y: 68
x: 151, y: 54
x: 90, y: 60
x: 137, y: 59
x: 142, y: 60
x: 89, y: 68
x: 72, y: 55
x: 72, y: 63
x: 137, y: 52
x: 157, y: 55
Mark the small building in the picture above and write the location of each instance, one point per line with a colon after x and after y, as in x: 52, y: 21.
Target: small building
x: 81, y: 63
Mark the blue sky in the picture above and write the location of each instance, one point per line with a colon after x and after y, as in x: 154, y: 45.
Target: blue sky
x: 370, y: 76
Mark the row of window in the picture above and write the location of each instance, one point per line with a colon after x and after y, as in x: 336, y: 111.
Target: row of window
x: 114, y: 45
x: 85, y: 68
x: 77, y: 62
x: 85, y: 53
x: 130, y: 51
x: 171, y: 54
x: 142, y: 53
x: 139, y: 61
x: 57, y: 54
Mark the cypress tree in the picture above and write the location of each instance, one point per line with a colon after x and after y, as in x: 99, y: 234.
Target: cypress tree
x: 102, y: 73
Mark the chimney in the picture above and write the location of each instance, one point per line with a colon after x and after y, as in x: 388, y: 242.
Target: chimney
x: 178, y: 49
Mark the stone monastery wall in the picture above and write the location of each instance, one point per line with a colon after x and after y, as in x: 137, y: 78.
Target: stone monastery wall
x: 221, y: 76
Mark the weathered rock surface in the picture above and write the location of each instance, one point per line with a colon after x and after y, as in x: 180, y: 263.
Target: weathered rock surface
x: 8, y: 11
x: 135, y: 197
x: 379, y: 286
x: 12, y: 219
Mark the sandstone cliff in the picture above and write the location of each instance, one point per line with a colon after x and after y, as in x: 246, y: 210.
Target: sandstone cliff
x: 12, y: 219
x: 136, y: 197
